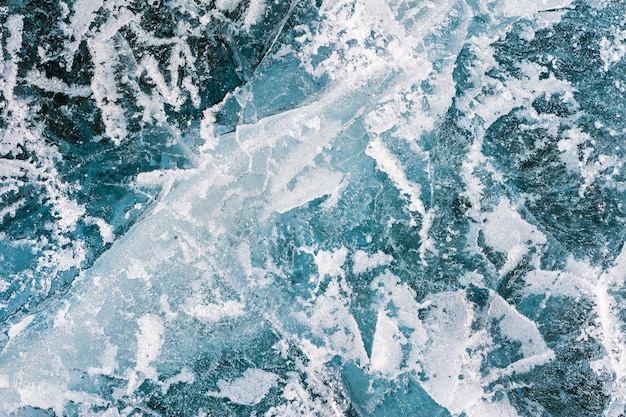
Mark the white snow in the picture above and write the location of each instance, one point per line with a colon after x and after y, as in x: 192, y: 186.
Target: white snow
x: 15, y: 25
x: 108, y: 361
x: 329, y: 318
x: 612, y: 334
x: 20, y: 326
x: 215, y: 312
x: 106, y: 230
x: 227, y: 5
x: 169, y: 93
x: 249, y: 389
x: 83, y: 14
x: 394, y: 351
x: 390, y: 165
x: 104, y: 88
x: 149, y: 343
x: 254, y: 13
x: 387, y: 347
x: 331, y: 262
x: 56, y: 85
x: 506, y: 231
x: 453, y: 356
x: 362, y: 262
x: 197, y: 306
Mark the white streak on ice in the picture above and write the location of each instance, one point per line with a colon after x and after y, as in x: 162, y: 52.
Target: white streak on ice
x: 104, y: 87
x: 169, y: 93
x: 18, y: 327
x: 83, y: 14
x: 196, y: 305
x: 390, y: 165
x: 56, y: 85
x: 15, y: 25
x: 612, y: 336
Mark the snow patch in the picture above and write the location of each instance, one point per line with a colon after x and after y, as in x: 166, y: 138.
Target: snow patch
x: 506, y: 231
x: 362, y: 262
x: 20, y: 326
x: 387, y: 352
x: 254, y: 13
x: 149, y: 343
x: 227, y: 5
x: 331, y: 262
x: 249, y: 389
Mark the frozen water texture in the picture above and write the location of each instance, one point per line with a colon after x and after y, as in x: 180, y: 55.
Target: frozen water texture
x: 335, y: 208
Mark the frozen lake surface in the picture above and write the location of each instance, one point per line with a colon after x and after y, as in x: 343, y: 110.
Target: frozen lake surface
x: 313, y: 208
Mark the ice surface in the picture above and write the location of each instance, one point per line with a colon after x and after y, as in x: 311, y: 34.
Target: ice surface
x: 333, y: 208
